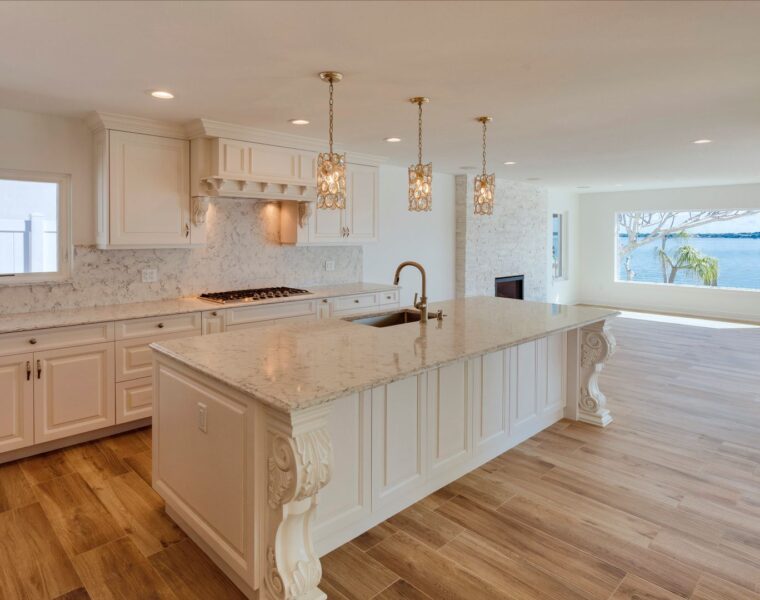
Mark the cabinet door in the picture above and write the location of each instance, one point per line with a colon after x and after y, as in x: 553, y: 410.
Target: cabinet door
x: 327, y: 226
x: 149, y: 190
x: 362, y: 201
x: 16, y: 404
x: 73, y: 391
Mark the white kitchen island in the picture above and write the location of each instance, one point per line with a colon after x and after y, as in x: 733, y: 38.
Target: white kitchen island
x: 275, y: 445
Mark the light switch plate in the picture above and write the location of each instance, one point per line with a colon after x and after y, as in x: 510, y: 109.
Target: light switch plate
x: 329, y: 265
x: 149, y: 275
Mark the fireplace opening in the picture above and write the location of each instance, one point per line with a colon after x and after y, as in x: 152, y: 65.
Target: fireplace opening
x: 510, y: 287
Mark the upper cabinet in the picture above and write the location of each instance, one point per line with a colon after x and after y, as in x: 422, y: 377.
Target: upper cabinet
x: 143, y: 190
x: 357, y: 224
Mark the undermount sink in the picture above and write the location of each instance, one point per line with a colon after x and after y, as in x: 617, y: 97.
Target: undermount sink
x: 399, y: 317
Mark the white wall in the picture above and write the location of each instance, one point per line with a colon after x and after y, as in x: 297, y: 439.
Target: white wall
x: 35, y: 142
x: 597, y: 253
x: 565, y: 290
x: 427, y: 237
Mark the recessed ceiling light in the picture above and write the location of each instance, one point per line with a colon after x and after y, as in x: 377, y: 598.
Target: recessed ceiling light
x: 510, y: 162
x: 468, y: 168
x: 583, y: 187
x: 533, y: 179
x: 298, y: 122
x: 162, y: 94
x: 701, y: 141
x: 393, y: 140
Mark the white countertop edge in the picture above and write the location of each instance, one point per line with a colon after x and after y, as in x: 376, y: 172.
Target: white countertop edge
x: 86, y: 315
x: 288, y: 408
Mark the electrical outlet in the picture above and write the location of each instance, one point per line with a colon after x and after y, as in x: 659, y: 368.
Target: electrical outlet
x: 202, y: 417
x: 149, y: 275
x: 329, y: 265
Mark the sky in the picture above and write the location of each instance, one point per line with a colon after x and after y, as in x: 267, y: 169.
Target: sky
x: 20, y: 198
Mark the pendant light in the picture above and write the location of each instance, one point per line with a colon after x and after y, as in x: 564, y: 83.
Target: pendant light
x: 331, y: 167
x: 420, y: 176
x: 484, y: 183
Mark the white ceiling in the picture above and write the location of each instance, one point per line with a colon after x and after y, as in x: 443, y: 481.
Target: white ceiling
x: 601, y: 94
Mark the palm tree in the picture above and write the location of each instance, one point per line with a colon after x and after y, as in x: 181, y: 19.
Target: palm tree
x: 690, y: 260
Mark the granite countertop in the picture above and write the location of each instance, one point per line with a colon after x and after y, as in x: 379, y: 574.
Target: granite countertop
x: 297, y: 365
x: 117, y: 312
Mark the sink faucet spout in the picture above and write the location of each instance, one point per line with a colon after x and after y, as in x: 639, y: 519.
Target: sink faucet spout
x: 422, y: 304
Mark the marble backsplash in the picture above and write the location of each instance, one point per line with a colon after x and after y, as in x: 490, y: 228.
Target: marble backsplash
x: 242, y: 251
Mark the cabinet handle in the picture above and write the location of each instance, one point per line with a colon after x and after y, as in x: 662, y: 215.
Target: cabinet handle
x: 33, y: 341
x: 187, y: 229
x: 160, y: 325
x: 28, y: 370
x: 39, y: 369
x: 348, y: 232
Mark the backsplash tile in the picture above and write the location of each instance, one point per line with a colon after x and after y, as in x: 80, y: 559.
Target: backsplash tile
x: 242, y: 251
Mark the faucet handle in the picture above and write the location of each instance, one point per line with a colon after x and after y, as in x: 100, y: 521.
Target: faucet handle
x: 416, y: 304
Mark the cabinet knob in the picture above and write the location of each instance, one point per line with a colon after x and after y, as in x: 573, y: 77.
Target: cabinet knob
x: 33, y: 341
x: 324, y: 300
x: 160, y: 325
x: 214, y: 314
x: 356, y: 300
x: 388, y: 297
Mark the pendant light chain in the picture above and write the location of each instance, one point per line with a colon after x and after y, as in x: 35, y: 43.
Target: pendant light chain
x: 331, y: 116
x: 484, y: 146
x: 419, y: 134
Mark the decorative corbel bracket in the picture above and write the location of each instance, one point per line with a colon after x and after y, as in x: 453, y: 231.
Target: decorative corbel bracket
x: 199, y: 209
x: 304, y: 212
x: 597, y: 346
x: 299, y: 464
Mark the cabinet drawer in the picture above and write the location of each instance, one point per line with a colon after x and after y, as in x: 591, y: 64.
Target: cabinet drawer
x: 301, y: 319
x: 388, y: 297
x: 362, y: 301
x: 151, y: 326
x: 134, y: 400
x: 252, y: 314
x: 134, y: 358
x: 56, y: 337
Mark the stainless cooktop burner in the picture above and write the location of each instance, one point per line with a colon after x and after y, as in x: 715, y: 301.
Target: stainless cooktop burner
x: 252, y: 295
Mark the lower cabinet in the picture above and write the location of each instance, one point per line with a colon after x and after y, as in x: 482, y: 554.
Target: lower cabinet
x: 16, y: 402
x: 134, y: 399
x: 73, y: 391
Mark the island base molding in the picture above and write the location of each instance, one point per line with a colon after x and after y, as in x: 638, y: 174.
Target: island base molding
x: 265, y: 492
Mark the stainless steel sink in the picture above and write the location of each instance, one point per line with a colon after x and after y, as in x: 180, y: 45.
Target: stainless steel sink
x: 388, y: 319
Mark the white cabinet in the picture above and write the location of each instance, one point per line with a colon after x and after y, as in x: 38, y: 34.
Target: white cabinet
x: 143, y: 189
x: 73, y: 391
x: 358, y: 223
x: 16, y: 402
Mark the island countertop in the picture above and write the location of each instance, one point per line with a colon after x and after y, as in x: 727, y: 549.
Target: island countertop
x: 298, y: 365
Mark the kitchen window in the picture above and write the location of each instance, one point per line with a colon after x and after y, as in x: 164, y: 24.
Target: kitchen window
x: 35, y: 238
x: 558, y: 246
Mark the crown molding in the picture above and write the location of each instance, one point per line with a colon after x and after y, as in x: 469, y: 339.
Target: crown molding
x: 199, y: 128
x: 98, y: 121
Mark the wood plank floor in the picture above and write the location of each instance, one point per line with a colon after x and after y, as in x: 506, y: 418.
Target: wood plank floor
x: 663, y: 504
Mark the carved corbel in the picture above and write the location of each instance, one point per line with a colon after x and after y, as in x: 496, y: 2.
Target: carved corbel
x: 299, y: 464
x: 304, y: 212
x: 199, y: 209
x: 597, y: 346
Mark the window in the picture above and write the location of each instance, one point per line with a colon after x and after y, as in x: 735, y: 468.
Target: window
x: 558, y: 243
x: 34, y: 227
x: 713, y: 248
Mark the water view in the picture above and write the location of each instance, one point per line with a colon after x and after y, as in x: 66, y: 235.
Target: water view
x: 719, y: 248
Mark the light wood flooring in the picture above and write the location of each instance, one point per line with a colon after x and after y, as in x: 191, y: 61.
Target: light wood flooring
x: 662, y: 504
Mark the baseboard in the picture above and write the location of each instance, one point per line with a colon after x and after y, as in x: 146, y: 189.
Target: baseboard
x: 73, y: 440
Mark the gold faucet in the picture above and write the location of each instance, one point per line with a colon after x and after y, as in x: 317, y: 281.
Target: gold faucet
x: 422, y: 304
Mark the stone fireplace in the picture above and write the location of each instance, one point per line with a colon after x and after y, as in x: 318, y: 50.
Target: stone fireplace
x: 510, y: 287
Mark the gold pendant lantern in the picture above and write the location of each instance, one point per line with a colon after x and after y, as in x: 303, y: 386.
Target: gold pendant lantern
x: 484, y: 183
x: 420, y: 176
x: 331, y: 167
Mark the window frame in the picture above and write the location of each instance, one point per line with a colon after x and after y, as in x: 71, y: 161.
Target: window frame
x: 563, y: 266
x: 65, y: 246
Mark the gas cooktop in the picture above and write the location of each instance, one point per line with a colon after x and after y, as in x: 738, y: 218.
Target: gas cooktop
x: 252, y: 295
